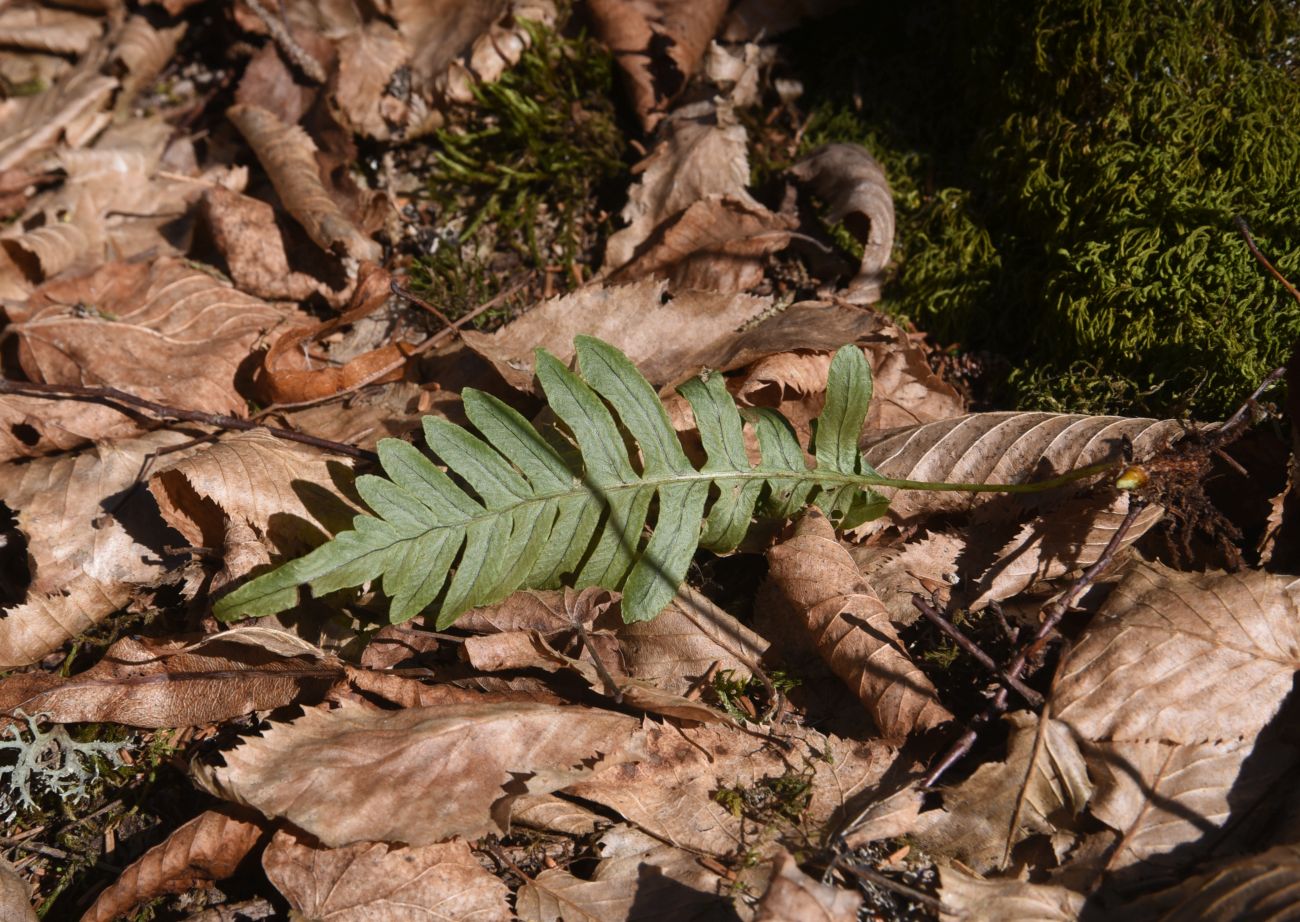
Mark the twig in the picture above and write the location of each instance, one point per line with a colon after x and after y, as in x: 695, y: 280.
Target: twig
x: 1244, y: 229
x: 1052, y: 618
x: 113, y: 398
x: 296, y: 54
x: 1226, y: 432
x: 401, y: 291
x: 955, y: 634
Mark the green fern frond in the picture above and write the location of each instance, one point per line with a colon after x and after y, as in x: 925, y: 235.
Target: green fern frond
x: 509, y: 512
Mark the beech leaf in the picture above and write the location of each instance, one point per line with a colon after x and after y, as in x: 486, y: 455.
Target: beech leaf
x: 372, y: 880
x: 419, y: 775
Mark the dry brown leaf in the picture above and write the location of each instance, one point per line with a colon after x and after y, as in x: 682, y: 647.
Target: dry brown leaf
x: 1071, y: 537
x: 144, y: 51
x: 135, y: 326
x: 35, y: 426
x: 206, y: 849
x: 372, y: 881
x: 793, y: 896
x: 633, y: 692
x: 890, y: 817
x: 658, y: 44
x: 1041, y: 788
x: 1262, y: 886
x: 670, y: 792
x: 856, y: 193
x: 555, y: 814
x: 703, y: 155
x: 15, y: 895
x: 1230, y: 642
x: 677, y: 648
x: 112, y: 205
x: 368, y: 59
x: 971, y: 899
x: 494, y: 51
x: 417, y: 776
x: 816, y: 578
x: 290, y: 375
x: 716, y: 244
x: 1171, y: 803
x: 633, y: 318
x: 1008, y: 447
x: 85, y: 564
x: 638, y: 879
x: 905, y: 391
x: 929, y: 565
x: 170, y: 684
x: 43, y: 28
x: 288, y: 494
x: 30, y: 125
x: 289, y: 157
x: 258, y: 251
x: 527, y: 610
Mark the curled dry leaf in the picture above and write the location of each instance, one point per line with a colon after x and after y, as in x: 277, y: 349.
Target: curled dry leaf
x: 142, y: 683
x: 85, y: 563
x: 263, y: 256
x: 633, y: 318
x: 15, y: 895
x: 34, y: 124
x: 816, y: 579
x: 793, y: 895
x: 971, y: 899
x: 856, y: 192
x: 144, y: 51
x: 289, y: 375
x: 1006, y: 447
x: 658, y: 44
x: 716, y: 244
x: 1261, y: 886
x: 702, y: 156
x: 420, y: 775
x: 638, y: 879
x: 252, y: 492
x: 1042, y: 787
x: 1228, y: 641
x: 111, y: 205
x: 288, y: 156
x: 930, y: 565
x: 374, y: 881
x: 206, y: 849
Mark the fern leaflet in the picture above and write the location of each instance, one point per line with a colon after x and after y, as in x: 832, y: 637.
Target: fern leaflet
x: 519, y: 514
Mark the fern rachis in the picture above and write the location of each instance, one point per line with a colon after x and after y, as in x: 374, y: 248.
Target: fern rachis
x: 530, y: 520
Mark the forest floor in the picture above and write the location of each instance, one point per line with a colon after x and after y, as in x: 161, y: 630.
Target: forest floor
x: 251, y: 255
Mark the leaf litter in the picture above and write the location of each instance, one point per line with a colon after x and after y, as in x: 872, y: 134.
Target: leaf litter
x: 974, y: 705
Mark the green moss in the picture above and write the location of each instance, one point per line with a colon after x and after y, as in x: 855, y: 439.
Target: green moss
x: 1066, y: 174
x: 517, y: 178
